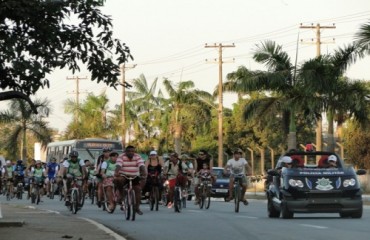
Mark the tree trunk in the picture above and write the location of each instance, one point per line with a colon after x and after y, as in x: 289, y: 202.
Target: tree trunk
x: 177, y: 137
x: 331, y: 140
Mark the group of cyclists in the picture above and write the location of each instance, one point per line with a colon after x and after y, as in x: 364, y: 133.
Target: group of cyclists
x: 109, y: 171
x: 12, y: 174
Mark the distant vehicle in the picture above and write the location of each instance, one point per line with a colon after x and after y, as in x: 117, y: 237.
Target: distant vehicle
x: 88, y: 148
x: 311, y: 187
x: 220, y: 189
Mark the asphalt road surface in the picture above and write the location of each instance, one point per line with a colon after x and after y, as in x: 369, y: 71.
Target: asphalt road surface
x: 218, y: 222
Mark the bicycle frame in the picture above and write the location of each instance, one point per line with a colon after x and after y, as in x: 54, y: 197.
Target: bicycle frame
x: 129, y: 199
x: 205, y: 191
x: 76, y: 195
x: 237, y: 190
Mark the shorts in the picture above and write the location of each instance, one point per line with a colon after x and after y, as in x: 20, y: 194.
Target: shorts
x: 181, y: 179
x: 108, y: 182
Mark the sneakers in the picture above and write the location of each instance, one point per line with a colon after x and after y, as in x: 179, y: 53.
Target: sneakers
x: 139, y: 212
x: 169, y: 205
x: 228, y: 199
x: 245, y: 202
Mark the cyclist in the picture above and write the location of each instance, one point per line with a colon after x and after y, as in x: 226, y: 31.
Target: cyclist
x: 240, y: 164
x: 108, y: 168
x: 99, y: 179
x: 72, y: 168
x: 131, y: 164
x: 203, y: 157
x: 154, y: 169
x: 174, y: 169
x: 51, y: 172
x: 8, y: 174
x: 38, y: 173
x: 19, y: 172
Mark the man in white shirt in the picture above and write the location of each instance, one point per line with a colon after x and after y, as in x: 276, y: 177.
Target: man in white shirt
x: 238, y: 165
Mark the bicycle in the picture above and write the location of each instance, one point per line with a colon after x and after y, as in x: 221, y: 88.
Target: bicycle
x: 205, y: 191
x: 238, y: 181
x: 19, y: 189
x: 77, y: 196
x: 52, y: 188
x: 92, y: 191
x: 9, y: 189
x: 129, y: 199
x: 154, y: 193
x: 106, y: 200
x: 177, y: 197
x: 35, y: 185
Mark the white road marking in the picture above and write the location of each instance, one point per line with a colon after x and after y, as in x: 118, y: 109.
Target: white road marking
x: 1, y: 215
x: 104, y: 228
x: 313, y: 226
x: 250, y: 217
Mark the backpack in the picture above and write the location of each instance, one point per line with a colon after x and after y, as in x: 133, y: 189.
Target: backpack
x: 180, y: 166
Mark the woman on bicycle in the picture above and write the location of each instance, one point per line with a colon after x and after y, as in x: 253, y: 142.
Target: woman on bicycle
x: 154, y: 169
x: 108, y: 168
x: 242, y: 165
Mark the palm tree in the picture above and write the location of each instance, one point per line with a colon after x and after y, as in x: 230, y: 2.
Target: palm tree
x: 335, y: 94
x: 363, y: 38
x: 22, y: 121
x: 279, y: 80
x: 182, y: 98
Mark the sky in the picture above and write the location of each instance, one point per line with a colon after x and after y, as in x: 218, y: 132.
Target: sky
x: 167, y: 40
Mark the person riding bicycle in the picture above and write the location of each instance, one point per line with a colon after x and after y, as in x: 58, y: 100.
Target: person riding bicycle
x: 8, y: 173
x: 203, y: 157
x: 91, y: 175
x: 19, y: 172
x: 175, y: 170
x: 154, y: 169
x: 51, y: 173
x: 130, y: 164
x: 238, y: 165
x: 38, y: 174
x: 99, y: 180
x: 72, y: 168
x: 108, y: 169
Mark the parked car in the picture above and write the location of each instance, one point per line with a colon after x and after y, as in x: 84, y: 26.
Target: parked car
x: 312, y: 187
x: 220, y: 189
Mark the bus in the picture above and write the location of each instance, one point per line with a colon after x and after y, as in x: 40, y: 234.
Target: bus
x: 89, y: 148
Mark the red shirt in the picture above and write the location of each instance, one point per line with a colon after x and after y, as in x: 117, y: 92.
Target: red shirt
x: 130, y: 167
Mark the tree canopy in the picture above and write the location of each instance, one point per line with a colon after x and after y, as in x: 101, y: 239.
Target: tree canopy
x: 38, y: 36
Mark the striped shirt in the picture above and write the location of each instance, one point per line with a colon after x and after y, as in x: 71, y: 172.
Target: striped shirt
x: 130, y: 167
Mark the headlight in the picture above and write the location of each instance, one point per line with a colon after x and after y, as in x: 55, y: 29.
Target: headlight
x: 295, y: 183
x: 349, y: 182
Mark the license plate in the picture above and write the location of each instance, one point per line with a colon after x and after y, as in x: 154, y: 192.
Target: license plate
x: 221, y: 190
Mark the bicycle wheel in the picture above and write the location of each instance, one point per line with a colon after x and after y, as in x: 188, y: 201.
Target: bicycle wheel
x: 152, y: 199
x: 183, y: 198
x: 156, y: 197
x: 237, y: 197
x: 52, y: 190
x: 92, y: 193
x: 82, y: 196
x: 37, y: 194
x: 202, y: 197
x: 208, y: 197
x: 133, y: 205
x: 105, y: 203
x: 126, y: 206
x: 177, y: 200
x: 74, y: 201
x: 61, y: 192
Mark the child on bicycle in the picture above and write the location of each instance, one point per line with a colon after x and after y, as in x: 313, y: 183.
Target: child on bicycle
x: 108, y: 169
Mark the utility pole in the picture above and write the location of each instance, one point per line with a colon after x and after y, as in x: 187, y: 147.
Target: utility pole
x: 124, y: 85
x: 77, y: 93
x: 220, y: 100
x: 318, y: 28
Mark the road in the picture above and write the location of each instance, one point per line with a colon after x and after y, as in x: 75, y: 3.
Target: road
x: 218, y: 222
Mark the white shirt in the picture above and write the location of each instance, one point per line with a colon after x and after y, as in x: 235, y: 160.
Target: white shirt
x: 66, y: 163
x: 232, y: 164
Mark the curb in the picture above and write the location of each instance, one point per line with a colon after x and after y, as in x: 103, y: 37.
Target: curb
x: 17, y: 223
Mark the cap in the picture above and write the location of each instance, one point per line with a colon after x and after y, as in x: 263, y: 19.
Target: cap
x: 332, y: 158
x: 8, y: 162
x: 184, y: 156
x: 38, y: 161
x: 238, y: 150
x: 153, y: 153
x: 286, y: 159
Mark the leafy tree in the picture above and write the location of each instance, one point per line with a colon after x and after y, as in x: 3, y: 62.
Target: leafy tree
x: 21, y: 121
x: 285, y: 96
x: 39, y: 36
x: 331, y: 92
x: 183, y: 98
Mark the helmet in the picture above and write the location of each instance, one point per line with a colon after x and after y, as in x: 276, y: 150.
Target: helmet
x: 73, y: 154
x: 38, y: 161
x: 107, y: 149
x: 20, y: 161
x: 8, y: 162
